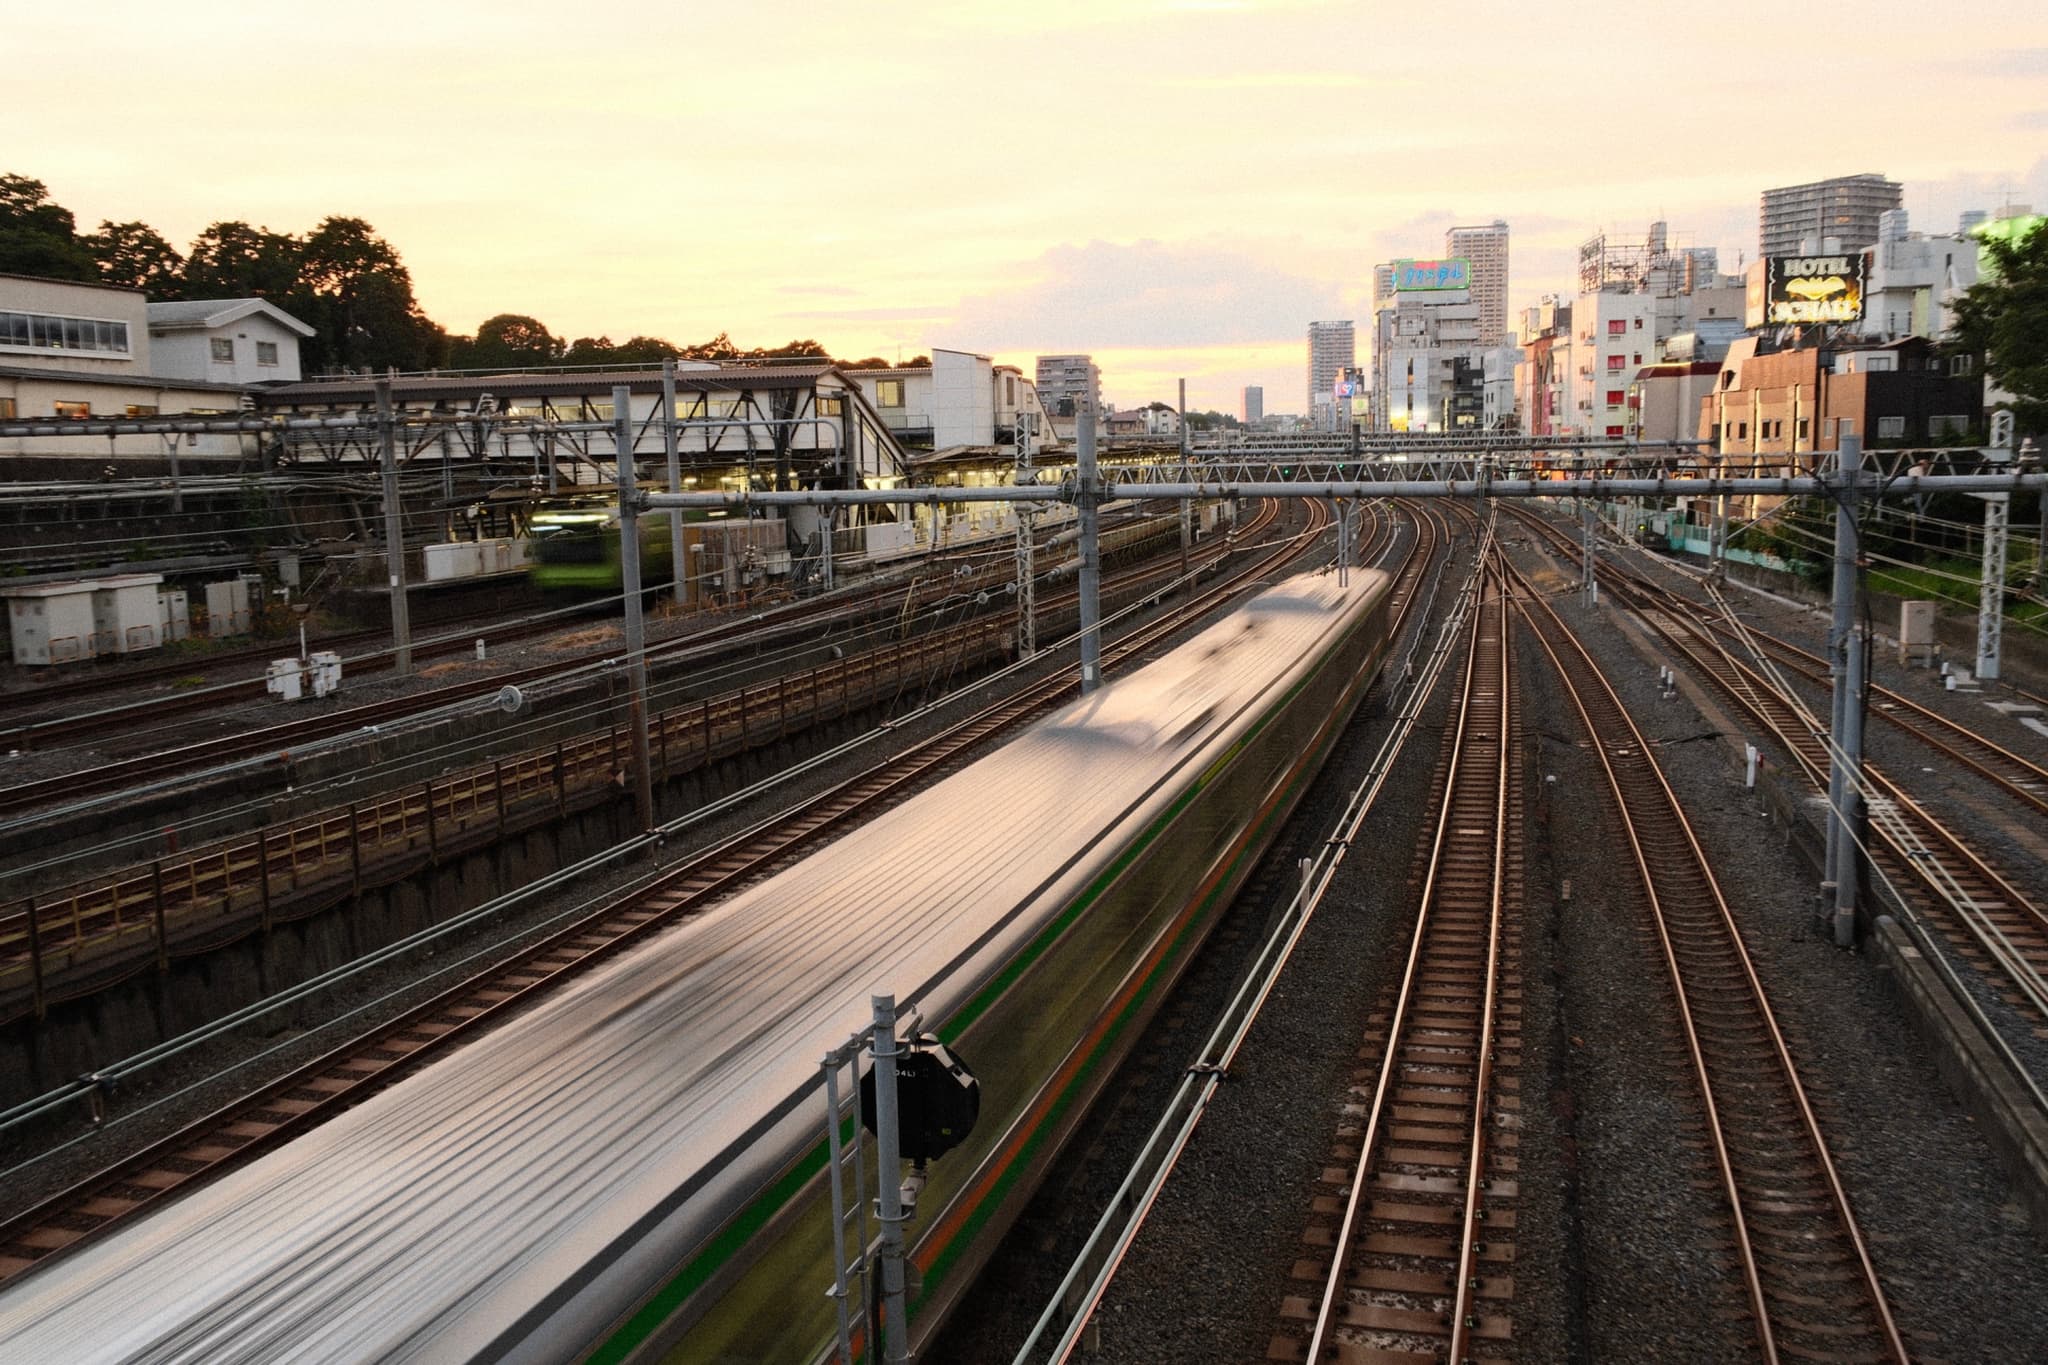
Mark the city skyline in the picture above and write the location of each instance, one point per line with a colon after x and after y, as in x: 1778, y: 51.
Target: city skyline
x: 636, y: 178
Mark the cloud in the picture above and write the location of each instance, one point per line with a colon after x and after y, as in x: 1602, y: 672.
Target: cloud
x: 1144, y: 294
x: 838, y: 290
x: 2032, y: 118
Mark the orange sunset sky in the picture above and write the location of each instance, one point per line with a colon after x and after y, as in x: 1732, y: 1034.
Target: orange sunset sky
x: 1178, y: 186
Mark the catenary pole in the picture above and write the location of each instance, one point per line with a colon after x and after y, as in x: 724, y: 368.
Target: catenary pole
x: 394, y: 532
x: 1848, y: 470
x: 636, y: 629
x: 1087, y: 494
x: 671, y: 451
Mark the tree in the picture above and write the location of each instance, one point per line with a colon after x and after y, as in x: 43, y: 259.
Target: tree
x: 235, y: 261
x: 136, y: 256
x: 2003, y: 322
x: 39, y: 237
x: 508, y: 341
x: 357, y: 293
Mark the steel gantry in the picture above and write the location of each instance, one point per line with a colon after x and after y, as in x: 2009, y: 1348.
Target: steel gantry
x: 1503, y: 469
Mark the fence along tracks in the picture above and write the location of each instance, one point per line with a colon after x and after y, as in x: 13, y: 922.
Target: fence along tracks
x: 357, y: 1069
x: 1811, y: 1286
x: 1421, y: 1256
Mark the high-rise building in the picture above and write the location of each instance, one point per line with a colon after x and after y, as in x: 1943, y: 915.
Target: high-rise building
x: 1485, y: 245
x: 1065, y: 380
x: 1845, y: 208
x: 1254, y: 406
x: 1332, y: 349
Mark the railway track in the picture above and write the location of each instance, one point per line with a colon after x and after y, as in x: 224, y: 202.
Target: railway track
x: 800, y: 618
x: 348, y: 1074
x: 1806, y: 1273
x: 1419, y: 1263
x: 1982, y: 912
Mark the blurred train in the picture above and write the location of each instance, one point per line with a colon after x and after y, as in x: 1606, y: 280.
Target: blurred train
x: 574, y: 545
x: 633, y: 1170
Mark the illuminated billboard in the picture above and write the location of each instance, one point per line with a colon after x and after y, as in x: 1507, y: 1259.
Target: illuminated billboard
x: 1350, y: 383
x: 1410, y: 277
x: 1803, y: 290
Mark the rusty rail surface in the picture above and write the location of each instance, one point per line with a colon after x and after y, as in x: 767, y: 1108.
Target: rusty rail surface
x: 1807, y: 1275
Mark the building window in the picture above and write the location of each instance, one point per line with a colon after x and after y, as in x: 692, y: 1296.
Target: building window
x: 830, y: 406
x: 888, y: 393
x: 1639, y: 357
x: 7, y: 407
x: 1617, y: 431
x: 142, y: 409
x: 1961, y: 364
x: 1947, y: 424
x: 1890, y: 428
x: 48, y: 332
x: 64, y: 408
x: 266, y: 353
x: 1639, y: 324
x: 1714, y: 432
x: 1615, y: 398
x: 1614, y: 364
x: 1742, y: 431
x: 1617, y: 326
x: 224, y: 350
x: 1802, y: 429
x: 1831, y: 427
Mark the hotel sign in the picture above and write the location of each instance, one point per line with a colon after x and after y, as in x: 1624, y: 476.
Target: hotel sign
x: 1415, y: 276
x: 1803, y: 290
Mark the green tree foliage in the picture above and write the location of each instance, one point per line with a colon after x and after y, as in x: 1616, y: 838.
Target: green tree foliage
x: 2004, y: 322
x: 508, y: 341
x: 39, y: 237
x: 136, y: 256
x: 232, y: 260
x: 357, y: 293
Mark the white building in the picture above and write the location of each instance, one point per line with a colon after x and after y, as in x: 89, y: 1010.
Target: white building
x: 1332, y: 349
x: 960, y: 399
x: 1254, y: 405
x: 1910, y: 282
x: 226, y: 341
x: 1427, y: 354
x: 76, y: 351
x: 1486, y: 247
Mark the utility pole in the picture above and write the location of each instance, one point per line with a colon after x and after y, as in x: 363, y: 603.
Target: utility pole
x: 1845, y: 669
x: 636, y: 630
x: 1087, y: 497
x: 670, y: 451
x: 394, y: 532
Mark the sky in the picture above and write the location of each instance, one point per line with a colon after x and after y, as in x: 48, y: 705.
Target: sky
x: 1175, y: 186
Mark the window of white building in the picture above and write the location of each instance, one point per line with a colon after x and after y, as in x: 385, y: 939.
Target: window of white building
x: 223, y: 350
x: 888, y: 393
x: 52, y: 332
x: 266, y: 353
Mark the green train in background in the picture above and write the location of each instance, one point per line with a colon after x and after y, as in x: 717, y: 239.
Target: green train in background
x: 574, y: 546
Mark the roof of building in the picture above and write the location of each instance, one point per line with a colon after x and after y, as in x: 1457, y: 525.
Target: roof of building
x: 206, y: 314
x: 127, y: 379
x: 550, y: 384
x: 76, y: 284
